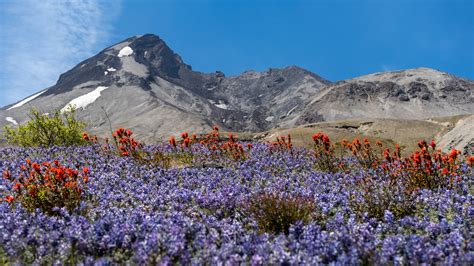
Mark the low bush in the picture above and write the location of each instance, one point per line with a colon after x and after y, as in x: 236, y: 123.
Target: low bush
x: 374, y: 196
x: 47, y: 186
x: 276, y: 213
x: 60, y: 128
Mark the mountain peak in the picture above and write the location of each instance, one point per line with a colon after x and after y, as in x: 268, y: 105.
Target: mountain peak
x: 153, y: 52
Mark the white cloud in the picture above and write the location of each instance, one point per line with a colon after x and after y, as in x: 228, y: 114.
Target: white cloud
x: 42, y: 39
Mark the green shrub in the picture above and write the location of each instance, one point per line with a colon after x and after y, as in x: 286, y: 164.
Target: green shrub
x: 61, y: 128
x: 275, y: 214
x: 4, y: 260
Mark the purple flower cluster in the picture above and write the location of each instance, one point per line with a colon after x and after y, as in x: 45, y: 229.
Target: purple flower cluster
x: 139, y: 214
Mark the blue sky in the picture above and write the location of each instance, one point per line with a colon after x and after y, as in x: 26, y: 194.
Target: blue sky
x: 39, y: 40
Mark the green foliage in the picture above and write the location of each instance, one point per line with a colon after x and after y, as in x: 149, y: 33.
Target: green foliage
x: 275, y: 214
x: 61, y: 128
x: 3, y: 257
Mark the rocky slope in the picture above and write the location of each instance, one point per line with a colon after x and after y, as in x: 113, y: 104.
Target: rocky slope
x: 409, y: 94
x: 460, y: 137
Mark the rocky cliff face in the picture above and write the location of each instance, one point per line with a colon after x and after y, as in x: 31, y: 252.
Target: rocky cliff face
x: 141, y: 83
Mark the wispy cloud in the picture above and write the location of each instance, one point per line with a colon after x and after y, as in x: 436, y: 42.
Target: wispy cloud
x: 41, y: 39
x: 387, y: 67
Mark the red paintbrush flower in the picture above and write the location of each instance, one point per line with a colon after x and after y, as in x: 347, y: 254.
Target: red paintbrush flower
x: 85, y: 170
x: 326, y: 139
x: 9, y: 199
x: 186, y: 142
x: 6, y: 174
x: 317, y: 136
x: 85, y: 136
x: 453, y: 154
x: 470, y: 160
x: 433, y: 144
x: 36, y: 167
x: 173, y: 141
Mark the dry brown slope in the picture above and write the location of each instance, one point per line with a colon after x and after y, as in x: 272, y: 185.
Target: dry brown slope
x: 390, y: 131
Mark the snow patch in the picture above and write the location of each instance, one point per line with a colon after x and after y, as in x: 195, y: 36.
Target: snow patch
x: 105, y: 73
x: 111, y: 69
x: 292, y: 109
x: 82, y: 101
x: 126, y: 51
x: 27, y: 100
x: 222, y: 106
x: 11, y: 120
x: 269, y: 119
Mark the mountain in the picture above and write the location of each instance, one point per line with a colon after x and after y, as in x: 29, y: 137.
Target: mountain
x: 418, y: 93
x: 140, y: 83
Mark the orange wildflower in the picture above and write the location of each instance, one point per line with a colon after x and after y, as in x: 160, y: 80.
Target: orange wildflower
x: 9, y: 199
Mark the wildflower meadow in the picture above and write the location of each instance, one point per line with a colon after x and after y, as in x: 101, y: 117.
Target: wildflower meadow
x: 213, y: 199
